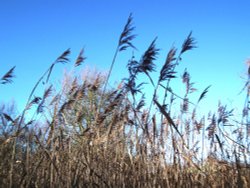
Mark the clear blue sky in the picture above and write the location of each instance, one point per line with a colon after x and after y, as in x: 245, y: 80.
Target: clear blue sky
x: 34, y: 33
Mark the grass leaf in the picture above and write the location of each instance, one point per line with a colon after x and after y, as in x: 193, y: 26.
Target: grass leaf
x: 7, y: 117
x: 167, y: 116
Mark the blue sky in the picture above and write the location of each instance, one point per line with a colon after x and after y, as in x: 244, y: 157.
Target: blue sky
x: 34, y: 33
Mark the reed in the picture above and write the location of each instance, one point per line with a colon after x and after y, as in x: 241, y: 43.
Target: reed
x: 85, y: 134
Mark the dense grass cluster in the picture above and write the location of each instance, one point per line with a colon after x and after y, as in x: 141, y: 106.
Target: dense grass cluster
x: 85, y: 134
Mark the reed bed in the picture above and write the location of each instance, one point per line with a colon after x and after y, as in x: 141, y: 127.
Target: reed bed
x: 86, y: 134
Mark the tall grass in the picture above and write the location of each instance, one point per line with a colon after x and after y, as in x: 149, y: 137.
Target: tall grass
x: 85, y: 134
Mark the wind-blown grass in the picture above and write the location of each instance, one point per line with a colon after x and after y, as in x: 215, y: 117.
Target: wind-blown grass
x: 87, y: 135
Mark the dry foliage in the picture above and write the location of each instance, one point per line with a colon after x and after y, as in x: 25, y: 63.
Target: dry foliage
x: 88, y: 135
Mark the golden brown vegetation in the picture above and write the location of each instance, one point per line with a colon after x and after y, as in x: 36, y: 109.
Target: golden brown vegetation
x: 89, y: 135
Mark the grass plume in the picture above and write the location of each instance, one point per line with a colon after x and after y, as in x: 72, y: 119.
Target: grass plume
x: 85, y: 134
x: 8, y: 76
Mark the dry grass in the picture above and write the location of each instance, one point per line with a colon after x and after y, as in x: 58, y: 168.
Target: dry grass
x: 88, y: 135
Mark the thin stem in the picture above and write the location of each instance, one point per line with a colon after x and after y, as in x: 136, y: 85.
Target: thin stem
x: 109, y: 73
x: 12, y: 163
